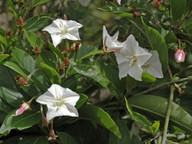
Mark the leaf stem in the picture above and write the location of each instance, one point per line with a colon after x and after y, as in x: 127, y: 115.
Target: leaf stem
x: 168, y: 108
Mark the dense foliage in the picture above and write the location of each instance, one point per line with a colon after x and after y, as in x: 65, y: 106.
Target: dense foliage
x: 47, y: 46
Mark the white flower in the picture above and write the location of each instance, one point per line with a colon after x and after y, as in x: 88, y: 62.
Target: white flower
x: 153, y: 65
x: 119, y: 2
x: 110, y: 43
x: 63, y: 29
x: 84, y: 2
x: 60, y: 101
x: 131, y: 58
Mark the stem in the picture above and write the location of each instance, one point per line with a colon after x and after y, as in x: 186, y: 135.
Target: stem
x: 168, y: 109
x: 163, y: 84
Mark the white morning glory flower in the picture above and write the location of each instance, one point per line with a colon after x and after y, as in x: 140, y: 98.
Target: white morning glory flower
x: 110, y: 43
x: 63, y: 29
x: 153, y: 65
x: 131, y: 58
x: 60, y: 102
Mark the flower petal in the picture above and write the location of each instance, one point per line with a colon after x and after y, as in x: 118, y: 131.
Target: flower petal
x: 136, y: 72
x: 56, y: 39
x: 47, y: 99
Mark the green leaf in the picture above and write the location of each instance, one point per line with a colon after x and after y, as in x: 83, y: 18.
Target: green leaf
x: 12, y: 7
x: 56, y: 51
x: 4, y: 107
x: 171, y: 38
x: 105, y: 75
x: 66, y: 138
x: 96, y: 114
x: 155, y: 127
x: 177, y: 8
x: 12, y: 97
x: 33, y: 39
x: 3, y: 57
x: 157, y: 106
x: 51, y: 73
x: 157, y: 43
x: 30, y: 22
x: 39, y: 2
x: 6, y: 80
x: 24, y: 121
x: 15, y: 67
x: 81, y: 101
x: 146, y: 77
x: 34, y: 140
x: 124, y: 132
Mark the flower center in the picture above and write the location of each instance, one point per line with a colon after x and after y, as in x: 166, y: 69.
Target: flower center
x: 59, y: 102
x: 63, y: 29
x: 132, y: 59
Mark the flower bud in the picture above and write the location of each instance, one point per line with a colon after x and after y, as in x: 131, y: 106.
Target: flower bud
x: 73, y: 47
x: 68, y: 50
x: 9, y: 34
x: 37, y: 49
x: 77, y: 45
x: 157, y: 3
x: 136, y: 15
x: 180, y: 56
x: 66, y: 62
x: 64, y: 52
x: 21, y: 81
x: 20, y: 22
x: 65, y: 17
x: 25, y: 106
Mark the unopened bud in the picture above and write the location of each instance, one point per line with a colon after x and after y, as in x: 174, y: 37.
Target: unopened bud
x: 21, y: 81
x: 77, y: 45
x: 65, y: 17
x: 20, y: 22
x: 157, y: 3
x: 9, y: 34
x: 37, y: 50
x: 73, y: 47
x: 68, y: 50
x: 64, y: 52
x: 21, y: 3
x: 180, y: 56
x: 25, y: 106
x: 66, y: 62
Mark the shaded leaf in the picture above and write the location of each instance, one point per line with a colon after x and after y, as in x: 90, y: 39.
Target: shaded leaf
x: 81, y: 101
x: 53, y: 75
x: 34, y: 140
x: 24, y: 121
x: 3, y: 57
x: 66, y: 138
x: 33, y: 39
x: 157, y: 106
x: 56, y: 51
x: 96, y: 114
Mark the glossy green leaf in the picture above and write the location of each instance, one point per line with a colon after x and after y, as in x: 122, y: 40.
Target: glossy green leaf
x: 66, y: 138
x: 124, y: 132
x: 157, y: 43
x: 157, y: 106
x: 56, y: 51
x: 81, y: 101
x: 171, y: 38
x: 146, y: 77
x: 53, y: 75
x: 3, y: 57
x: 96, y: 114
x: 12, y: 97
x: 34, y: 140
x: 15, y: 67
x: 24, y: 121
x: 6, y: 80
x: 177, y: 8
x: 4, y: 107
x: 33, y: 39
x: 41, y: 23
x: 105, y: 75
x: 30, y: 22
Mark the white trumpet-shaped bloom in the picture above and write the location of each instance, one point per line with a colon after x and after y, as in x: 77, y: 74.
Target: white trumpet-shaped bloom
x: 111, y: 43
x: 153, y: 65
x: 84, y: 2
x: 60, y: 102
x: 63, y: 29
x: 130, y: 59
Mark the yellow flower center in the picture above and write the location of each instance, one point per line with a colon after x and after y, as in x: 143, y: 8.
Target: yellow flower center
x: 59, y: 102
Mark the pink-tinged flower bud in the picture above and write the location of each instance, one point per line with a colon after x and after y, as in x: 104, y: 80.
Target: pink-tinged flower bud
x: 119, y: 2
x: 68, y: 50
x: 66, y: 62
x: 24, y: 107
x: 73, y: 47
x: 65, y: 17
x: 180, y: 56
x: 37, y: 50
x: 20, y: 22
x: 64, y: 52
x: 21, y: 81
